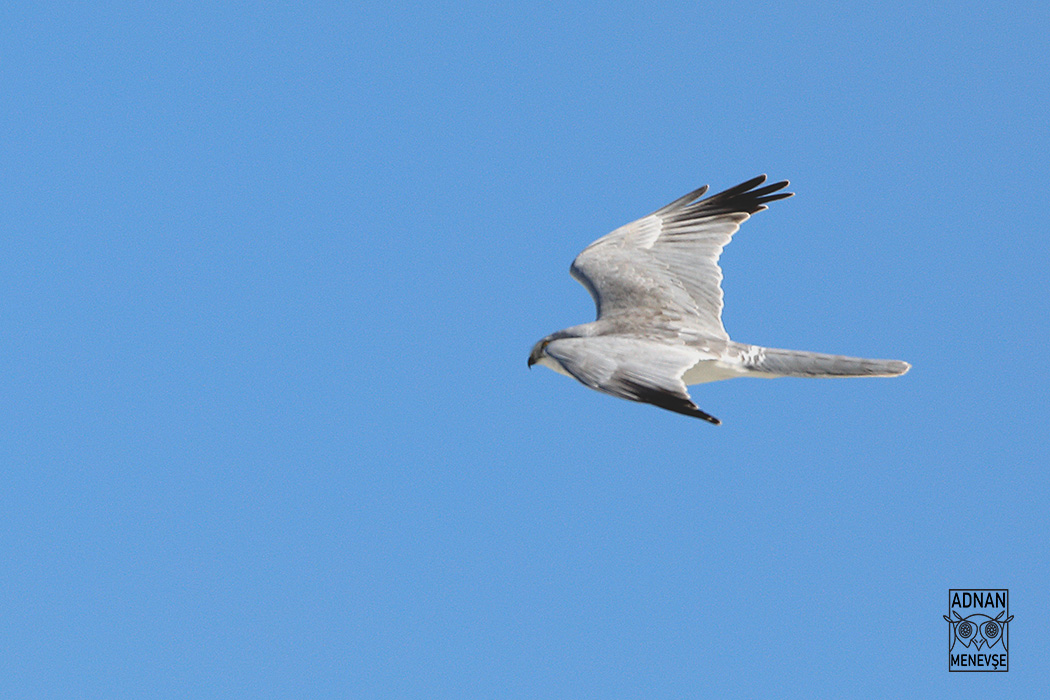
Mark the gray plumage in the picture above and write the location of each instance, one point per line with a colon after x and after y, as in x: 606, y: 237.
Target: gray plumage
x: 657, y: 287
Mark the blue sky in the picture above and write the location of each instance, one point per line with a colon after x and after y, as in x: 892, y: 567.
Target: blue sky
x: 271, y: 273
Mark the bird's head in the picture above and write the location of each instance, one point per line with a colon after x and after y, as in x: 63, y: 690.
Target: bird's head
x: 540, y: 356
x: 539, y: 351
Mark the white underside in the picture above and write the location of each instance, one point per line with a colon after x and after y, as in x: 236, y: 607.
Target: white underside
x: 706, y: 371
x: 551, y: 363
x: 702, y: 372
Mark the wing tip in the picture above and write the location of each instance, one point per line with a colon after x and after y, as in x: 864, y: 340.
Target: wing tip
x: 747, y: 197
x: 710, y: 419
x: 697, y: 413
x: 688, y: 408
x: 669, y: 400
x: 683, y: 201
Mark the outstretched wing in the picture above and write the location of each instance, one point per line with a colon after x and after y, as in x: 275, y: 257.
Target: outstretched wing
x: 664, y: 267
x: 633, y: 369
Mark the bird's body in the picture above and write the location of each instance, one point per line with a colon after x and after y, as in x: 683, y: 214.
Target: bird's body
x: 657, y: 286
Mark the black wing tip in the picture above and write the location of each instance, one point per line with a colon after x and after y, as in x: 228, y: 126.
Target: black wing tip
x: 685, y: 407
x: 692, y: 410
x: 684, y: 201
x: 746, y: 197
x: 758, y: 180
x: 708, y: 417
x: 670, y: 401
x: 749, y: 184
x: 739, y: 198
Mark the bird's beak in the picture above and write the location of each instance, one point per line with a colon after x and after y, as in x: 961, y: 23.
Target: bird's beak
x: 532, y: 361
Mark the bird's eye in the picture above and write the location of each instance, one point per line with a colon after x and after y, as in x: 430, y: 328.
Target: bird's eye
x: 965, y: 630
x: 991, y: 629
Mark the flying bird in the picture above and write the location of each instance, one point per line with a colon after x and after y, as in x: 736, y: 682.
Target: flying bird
x: 657, y: 287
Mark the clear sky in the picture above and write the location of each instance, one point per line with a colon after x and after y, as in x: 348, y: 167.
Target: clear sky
x: 271, y: 273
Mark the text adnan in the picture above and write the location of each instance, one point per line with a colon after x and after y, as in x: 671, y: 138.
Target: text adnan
x: 978, y: 599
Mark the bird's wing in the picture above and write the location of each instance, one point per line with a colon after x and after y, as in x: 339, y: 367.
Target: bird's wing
x: 639, y: 370
x: 662, y: 271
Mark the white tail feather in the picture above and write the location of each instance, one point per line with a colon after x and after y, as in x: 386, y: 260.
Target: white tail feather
x: 799, y: 363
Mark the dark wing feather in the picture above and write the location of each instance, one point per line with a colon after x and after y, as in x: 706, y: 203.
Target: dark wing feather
x: 679, y: 402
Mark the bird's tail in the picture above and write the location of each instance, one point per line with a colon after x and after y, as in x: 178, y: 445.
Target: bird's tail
x: 799, y: 363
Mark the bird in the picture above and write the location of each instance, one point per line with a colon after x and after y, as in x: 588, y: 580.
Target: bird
x: 656, y: 285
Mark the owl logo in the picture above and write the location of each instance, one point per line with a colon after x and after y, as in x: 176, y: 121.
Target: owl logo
x: 981, y: 631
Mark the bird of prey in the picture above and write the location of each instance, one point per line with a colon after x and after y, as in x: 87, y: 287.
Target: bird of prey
x: 657, y: 285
